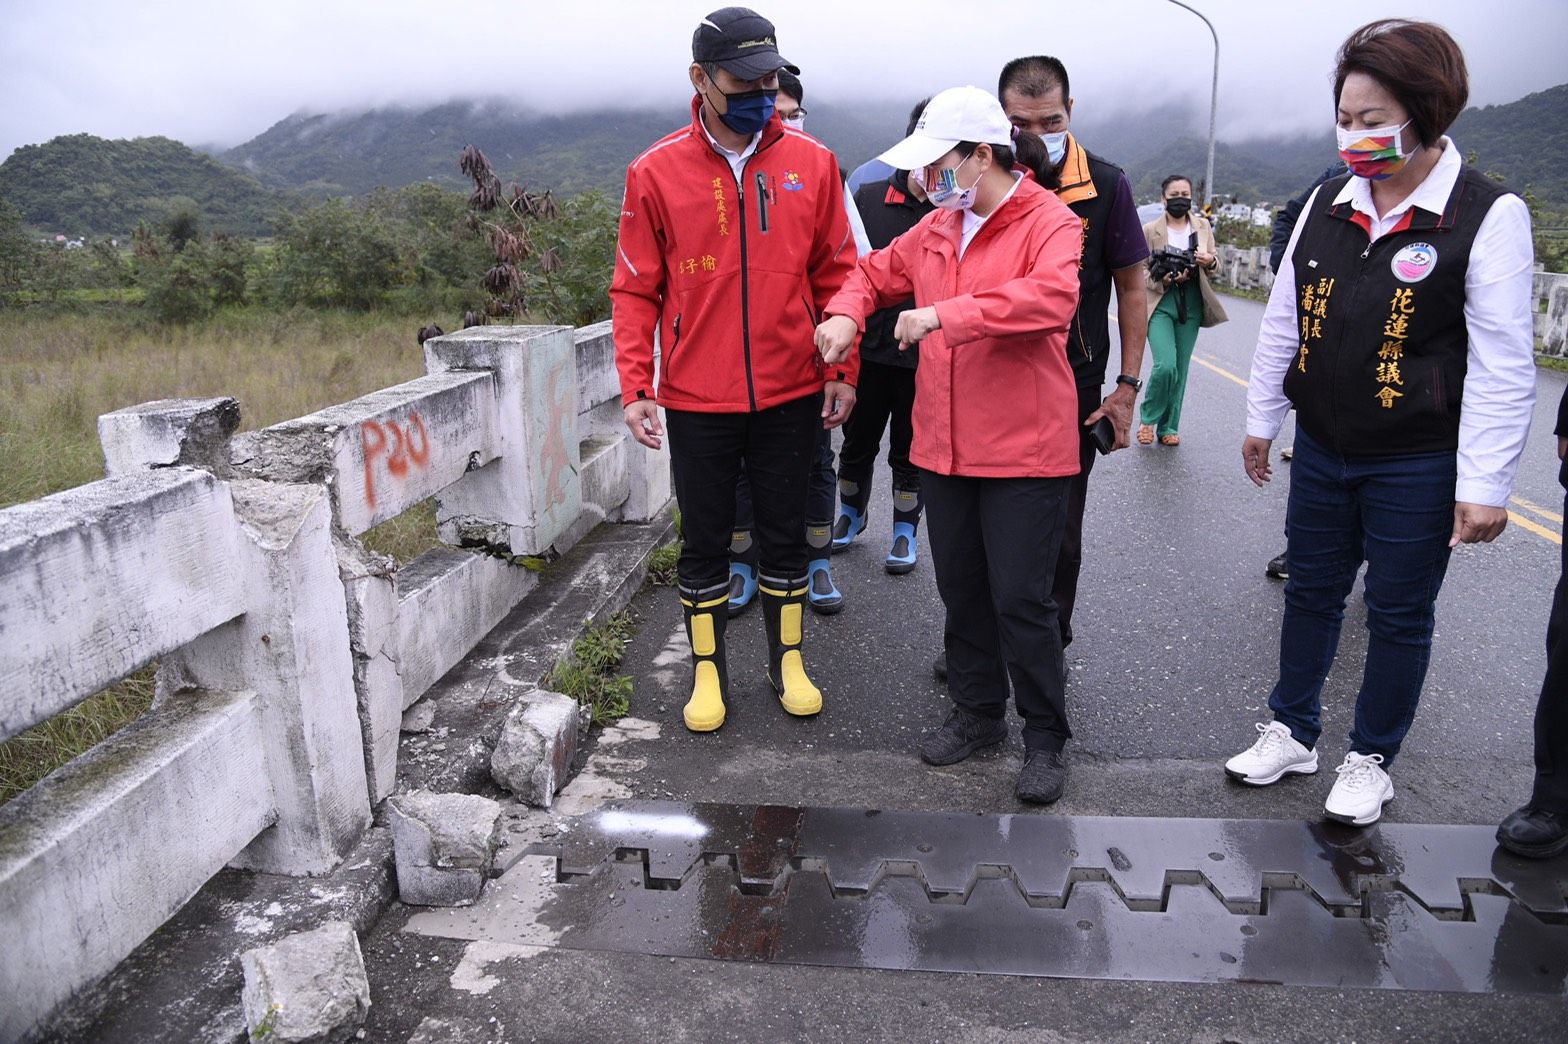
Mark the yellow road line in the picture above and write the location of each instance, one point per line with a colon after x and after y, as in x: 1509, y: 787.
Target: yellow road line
x: 1534, y: 527
x: 1538, y: 509
x: 1219, y: 370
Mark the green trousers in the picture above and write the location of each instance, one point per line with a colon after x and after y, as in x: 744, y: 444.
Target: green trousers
x: 1170, y: 344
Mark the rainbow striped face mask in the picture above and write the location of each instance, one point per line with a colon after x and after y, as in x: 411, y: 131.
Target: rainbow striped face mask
x: 1373, y: 154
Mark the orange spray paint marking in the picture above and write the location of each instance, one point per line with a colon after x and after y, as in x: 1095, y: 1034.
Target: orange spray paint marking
x: 404, y: 448
x: 374, y: 440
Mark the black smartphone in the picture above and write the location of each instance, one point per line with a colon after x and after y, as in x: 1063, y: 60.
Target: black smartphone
x: 1104, y: 435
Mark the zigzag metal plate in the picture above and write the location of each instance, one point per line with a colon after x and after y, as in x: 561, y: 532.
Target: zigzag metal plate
x: 1397, y: 906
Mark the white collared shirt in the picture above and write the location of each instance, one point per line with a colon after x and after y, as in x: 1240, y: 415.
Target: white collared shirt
x: 737, y: 160
x: 1494, y: 415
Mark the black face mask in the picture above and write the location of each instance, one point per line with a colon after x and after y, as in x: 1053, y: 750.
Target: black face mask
x: 1178, y: 206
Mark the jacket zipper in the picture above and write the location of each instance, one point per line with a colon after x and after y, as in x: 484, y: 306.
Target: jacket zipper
x: 745, y: 296
x: 745, y: 279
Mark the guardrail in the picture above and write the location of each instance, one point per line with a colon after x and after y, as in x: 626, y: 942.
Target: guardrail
x: 287, y: 651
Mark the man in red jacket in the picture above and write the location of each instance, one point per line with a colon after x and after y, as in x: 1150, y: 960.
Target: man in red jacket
x: 733, y: 236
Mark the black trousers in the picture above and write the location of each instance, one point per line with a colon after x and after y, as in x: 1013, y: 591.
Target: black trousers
x: 1069, y: 561
x: 994, y: 544
x: 884, y: 397
x: 821, y: 488
x: 1551, y: 712
x: 777, y: 448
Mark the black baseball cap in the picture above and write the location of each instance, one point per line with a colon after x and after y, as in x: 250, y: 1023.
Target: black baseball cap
x: 740, y: 41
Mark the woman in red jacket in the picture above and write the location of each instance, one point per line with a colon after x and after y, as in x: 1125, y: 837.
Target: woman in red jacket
x: 994, y: 275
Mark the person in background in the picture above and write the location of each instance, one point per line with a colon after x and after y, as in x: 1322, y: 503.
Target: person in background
x: 1179, y: 303
x: 1034, y: 92
x: 994, y: 275
x: 885, y: 395
x: 1279, y: 239
x: 822, y: 594
x: 1540, y: 828
x: 738, y: 381
x: 1400, y: 329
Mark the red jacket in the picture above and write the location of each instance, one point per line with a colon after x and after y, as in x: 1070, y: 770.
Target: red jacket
x: 733, y: 279
x: 994, y: 392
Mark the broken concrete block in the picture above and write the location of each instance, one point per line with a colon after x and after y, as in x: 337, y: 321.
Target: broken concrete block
x: 445, y: 846
x: 419, y: 717
x: 537, y: 745
x: 310, y: 986
x: 161, y: 434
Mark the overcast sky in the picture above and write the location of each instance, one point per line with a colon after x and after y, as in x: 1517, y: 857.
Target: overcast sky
x: 208, y: 72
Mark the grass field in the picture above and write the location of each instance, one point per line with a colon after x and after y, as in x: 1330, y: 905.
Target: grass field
x: 59, y: 371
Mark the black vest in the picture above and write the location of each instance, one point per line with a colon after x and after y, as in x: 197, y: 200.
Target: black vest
x: 1089, y: 338
x: 1383, y: 347
x: 888, y: 211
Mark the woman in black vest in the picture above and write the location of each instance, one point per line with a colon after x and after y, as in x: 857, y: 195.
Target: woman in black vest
x: 1399, y: 328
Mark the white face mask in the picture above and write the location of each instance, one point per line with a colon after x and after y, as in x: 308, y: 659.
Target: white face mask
x: 1055, y: 147
x: 946, y: 193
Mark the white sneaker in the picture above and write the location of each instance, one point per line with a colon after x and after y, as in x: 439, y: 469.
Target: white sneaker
x: 1275, y: 754
x: 1361, y: 791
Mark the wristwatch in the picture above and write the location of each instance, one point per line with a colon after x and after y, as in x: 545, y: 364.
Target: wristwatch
x: 1123, y: 378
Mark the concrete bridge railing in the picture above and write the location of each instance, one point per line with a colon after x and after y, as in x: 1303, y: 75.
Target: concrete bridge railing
x: 287, y: 651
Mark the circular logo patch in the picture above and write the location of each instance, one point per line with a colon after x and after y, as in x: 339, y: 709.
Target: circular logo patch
x: 1415, y: 262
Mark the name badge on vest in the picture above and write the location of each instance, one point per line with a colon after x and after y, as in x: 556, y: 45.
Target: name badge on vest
x: 1414, y: 262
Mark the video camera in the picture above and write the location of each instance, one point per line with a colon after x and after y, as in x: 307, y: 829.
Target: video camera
x: 1170, y: 261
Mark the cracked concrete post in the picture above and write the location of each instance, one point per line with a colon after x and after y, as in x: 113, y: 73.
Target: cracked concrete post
x: 370, y: 588
x: 1555, y: 336
x: 166, y: 432
x: 310, y: 986
x: 527, y: 499
x: 291, y: 648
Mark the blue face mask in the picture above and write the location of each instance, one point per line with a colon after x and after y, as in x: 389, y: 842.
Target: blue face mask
x: 1055, y: 147
x: 748, y: 111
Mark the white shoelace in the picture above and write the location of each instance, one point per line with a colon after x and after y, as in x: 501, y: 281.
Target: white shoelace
x: 1356, y: 772
x: 1270, y: 739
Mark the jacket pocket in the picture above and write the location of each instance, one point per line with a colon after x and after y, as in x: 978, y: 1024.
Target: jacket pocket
x: 811, y: 327
x: 1439, y: 391
x: 675, y: 342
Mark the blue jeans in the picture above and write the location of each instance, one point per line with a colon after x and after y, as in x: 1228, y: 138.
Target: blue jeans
x: 1396, y: 514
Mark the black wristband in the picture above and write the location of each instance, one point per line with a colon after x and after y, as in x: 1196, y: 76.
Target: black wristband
x: 1123, y: 378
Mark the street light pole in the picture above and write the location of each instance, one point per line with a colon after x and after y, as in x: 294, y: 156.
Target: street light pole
x: 1214, y: 100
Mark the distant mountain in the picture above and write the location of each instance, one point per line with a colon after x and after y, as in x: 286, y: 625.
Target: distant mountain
x: 83, y: 185
x: 1526, y: 141
x: 350, y: 154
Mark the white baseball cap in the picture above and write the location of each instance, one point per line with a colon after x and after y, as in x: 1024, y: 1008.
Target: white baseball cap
x: 957, y: 114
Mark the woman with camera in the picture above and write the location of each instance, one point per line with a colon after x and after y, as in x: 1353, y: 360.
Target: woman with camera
x: 1400, y: 328
x: 1181, y: 256
x: 993, y: 271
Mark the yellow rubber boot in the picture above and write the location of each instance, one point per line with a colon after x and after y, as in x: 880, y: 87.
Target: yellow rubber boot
x: 706, y: 614
x: 783, y: 611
